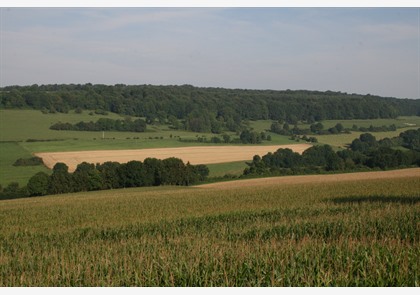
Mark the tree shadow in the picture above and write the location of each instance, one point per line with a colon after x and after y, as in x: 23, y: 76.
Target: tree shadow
x: 376, y: 199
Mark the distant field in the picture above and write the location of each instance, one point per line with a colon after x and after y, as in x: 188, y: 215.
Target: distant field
x: 194, y: 155
x: 230, y: 168
x: 350, y: 232
x: 341, y: 140
x: 21, y: 125
x: 400, y: 122
x: 9, y: 153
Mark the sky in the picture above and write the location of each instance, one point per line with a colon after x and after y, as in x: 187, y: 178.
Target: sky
x: 355, y: 50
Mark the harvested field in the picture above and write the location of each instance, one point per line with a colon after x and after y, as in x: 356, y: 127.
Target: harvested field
x: 195, y: 155
x: 301, y: 179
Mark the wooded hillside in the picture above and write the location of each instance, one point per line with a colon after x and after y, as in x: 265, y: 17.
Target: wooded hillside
x: 205, y: 109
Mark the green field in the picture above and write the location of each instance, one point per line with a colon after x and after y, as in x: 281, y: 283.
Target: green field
x: 400, y: 122
x: 232, y: 168
x: 342, y: 140
x: 18, y: 126
x: 9, y: 153
x: 362, y: 233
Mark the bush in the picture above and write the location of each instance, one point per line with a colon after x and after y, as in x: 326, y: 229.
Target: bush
x: 34, y: 161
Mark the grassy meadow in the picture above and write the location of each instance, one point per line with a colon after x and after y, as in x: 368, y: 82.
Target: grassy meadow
x: 363, y: 233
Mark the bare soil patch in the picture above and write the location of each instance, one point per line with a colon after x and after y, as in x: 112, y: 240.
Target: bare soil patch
x: 301, y: 179
x: 194, y: 155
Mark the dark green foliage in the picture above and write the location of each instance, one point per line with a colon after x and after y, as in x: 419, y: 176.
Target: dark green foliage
x: 173, y: 171
x: 372, y: 128
x: 339, y: 127
x: 411, y: 139
x: 104, y: 124
x: 86, y: 178
x: 206, y: 109
x: 132, y: 174
x: 315, y: 128
x: 153, y: 172
x: 34, y: 161
x: 282, y: 158
x: 198, y: 121
x: 323, y: 156
x: 364, y: 143
x: 60, y: 180
x: 13, y: 191
x: 253, y: 137
x: 111, y: 175
x: 385, y: 157
x: 38, y: 184
x: 364, y: 153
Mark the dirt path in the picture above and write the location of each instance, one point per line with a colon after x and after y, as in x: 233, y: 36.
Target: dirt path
x: 195, y: 155
x: 412, y: 172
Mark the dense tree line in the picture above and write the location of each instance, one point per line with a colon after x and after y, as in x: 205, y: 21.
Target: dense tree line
x: 104, y: 124
x: 364, y: 152
x: 206, y: 109
x: 33, y: 161
x: 109, y: 175
x: 245, y: 137
x: 283, y: 128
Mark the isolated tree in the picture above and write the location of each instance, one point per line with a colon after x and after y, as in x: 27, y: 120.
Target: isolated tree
x: 339, y: 127
x: 315, y: 128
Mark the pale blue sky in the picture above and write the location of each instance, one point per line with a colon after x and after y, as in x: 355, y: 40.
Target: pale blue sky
x: 354, y: 50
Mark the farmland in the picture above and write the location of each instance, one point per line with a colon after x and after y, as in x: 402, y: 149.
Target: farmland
x: 355, y: 229
x: 194, y: 155
x: 357, y: 232
x: 17, y: 126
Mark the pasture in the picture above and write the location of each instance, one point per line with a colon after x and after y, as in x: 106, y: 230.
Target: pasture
x: 357, y: 232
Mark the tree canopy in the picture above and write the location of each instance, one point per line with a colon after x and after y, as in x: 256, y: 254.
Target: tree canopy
x: 207, y: 109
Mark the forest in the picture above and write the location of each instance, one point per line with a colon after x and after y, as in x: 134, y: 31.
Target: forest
x: 206, y: 109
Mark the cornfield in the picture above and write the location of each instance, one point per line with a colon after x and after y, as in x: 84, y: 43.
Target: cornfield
x: 363, y: 233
